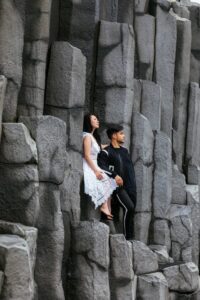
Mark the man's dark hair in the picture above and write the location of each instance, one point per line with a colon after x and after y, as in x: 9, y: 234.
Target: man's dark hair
x: 113, y: 129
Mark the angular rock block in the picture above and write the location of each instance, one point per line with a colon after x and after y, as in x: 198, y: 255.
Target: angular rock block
x: 182, y: 278
x: 145, y: 40
x: 165, y: 54
x: 193, y: 132
x: 144, y: 260
x: 141, y: 226
x: 125, y: 11
x: 151, y: 103
x: 48, y: 268
x: 50, y: 215
x: 152, y: 286
x: 162, y: 186
x: 73, y: 117
x: 180, y: 296
x: 90, y: 261
x: 115, y: 55
x: 27, y: 233
x: 49, y: 134
x: 181, y: 10
x: 162, y: 254
x: 193, y: 203
x: 66, y: 76
x: 161, y: 233
x: 31, y: 98
x: 11, y: 49
x: 109, y: 10
x: 1, y: 281
x: 178, y: 187
x: 3, y: 84
x: 141, y: 6
x: 19, y: 189
x: 137, y: 95
x: 181, y: 232
x: 17, y: 146
x: 143, y: 139
x: 14, y: 252
x: 181, y: 87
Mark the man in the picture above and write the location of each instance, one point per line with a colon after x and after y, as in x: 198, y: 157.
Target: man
x: 115, y: 161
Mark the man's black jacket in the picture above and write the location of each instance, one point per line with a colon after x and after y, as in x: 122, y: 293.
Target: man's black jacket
x: 116, y: 161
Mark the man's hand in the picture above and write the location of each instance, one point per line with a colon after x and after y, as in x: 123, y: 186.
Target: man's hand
x: 119, y: 180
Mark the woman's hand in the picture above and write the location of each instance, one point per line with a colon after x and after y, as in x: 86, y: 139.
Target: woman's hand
x: 99, y: 174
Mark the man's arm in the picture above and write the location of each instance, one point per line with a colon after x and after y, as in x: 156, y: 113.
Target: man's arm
x: 103, y: 163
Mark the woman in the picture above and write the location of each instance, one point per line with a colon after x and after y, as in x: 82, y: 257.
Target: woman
x: 96, y: 183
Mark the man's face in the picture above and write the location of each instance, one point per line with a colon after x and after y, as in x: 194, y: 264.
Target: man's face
x: 119, y: 137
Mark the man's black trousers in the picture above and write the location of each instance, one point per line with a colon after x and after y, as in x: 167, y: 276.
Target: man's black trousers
x: 122, y: 198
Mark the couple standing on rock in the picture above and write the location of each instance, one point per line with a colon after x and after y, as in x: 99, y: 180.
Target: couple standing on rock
x: 108, y: 171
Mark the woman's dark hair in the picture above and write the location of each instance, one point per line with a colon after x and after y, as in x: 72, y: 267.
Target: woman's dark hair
x: 87, y: 127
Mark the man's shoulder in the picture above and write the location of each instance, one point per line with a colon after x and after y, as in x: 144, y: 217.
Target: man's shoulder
x: 106, y: 149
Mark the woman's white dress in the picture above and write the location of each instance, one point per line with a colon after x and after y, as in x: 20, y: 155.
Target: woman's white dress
x: 99, y: 190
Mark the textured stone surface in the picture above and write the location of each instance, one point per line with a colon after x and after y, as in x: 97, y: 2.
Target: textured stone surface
x: 3, y: 84
x: 161, y: 233
x: 144, y: 260
x: 141, y: 6
x: 49, y: 134
x: 145, y: 37
x: 162, y: 254
x: 31, y: 97
x: 182, y: 278
x: 193, y: 133
x: 165, y: 52
x: 162, y: 186
x: 178, y: 186
x: 1, y: 281
x: 193, y: 203
x: 181, y: 86
x: 141, y: 226
x: 153, y: 285
x: 11, y: 49
x: 15, y: 255
x: 90, y: 261
x: 19, y: 200
x: 181, y: 232
x: 17, y: 146
x: 66, y: 76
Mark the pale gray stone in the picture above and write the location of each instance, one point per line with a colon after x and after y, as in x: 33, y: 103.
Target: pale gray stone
x: 182, y: 278
x: 162, y: 185
x: 141, y: 6
x: 48, y: 268
x: 161, y: 233
x: 115, y: 65
x: 181, y: 87
x: 165, y: 52
x: 181, y: 10
x: 145, y: 40
x: 193, y: 174
x: 90, y: 261
x: 37, y: 29
x: 109, y: 10
x: 11, y: 49
x: 66, y: 76
x: 178, y: 186
x: 181, y: 232
x: 73, y: 117
x: 17, y: 146
x: 179, y: 296
x: 151, y: 103
x: 137, y: 94
x: 162, y: 254
x: 144, y: 260
x: 19, y: 200
x: 14, y: 252
x: 143, y: 139
x: 125, y: 11
x: 3, y: 84
x: 152, y: 286
x: 141, y: 226
x: 193, y: 133
x: 49, y: 134
x: 27, y: 233
x: 193, y: 203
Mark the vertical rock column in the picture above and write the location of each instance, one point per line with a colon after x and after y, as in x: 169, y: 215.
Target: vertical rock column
x: 79, y: 26
x: 31, y: 97
x: 3, y: 83
x: 114, y: 76
x: 49, y: 134
x: 165, y: 53
x: 11, y: 49
x: 181, y: 87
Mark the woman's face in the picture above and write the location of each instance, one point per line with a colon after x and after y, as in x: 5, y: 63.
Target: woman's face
x: 94, y: 122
